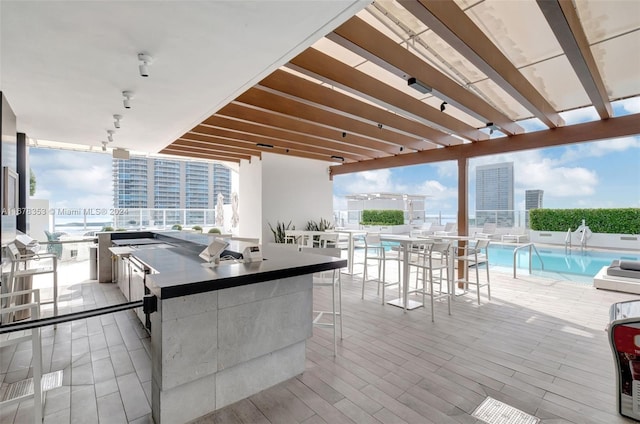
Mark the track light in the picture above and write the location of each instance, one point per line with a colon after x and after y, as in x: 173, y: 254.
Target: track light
x: 491, y: 127
x: 340, y: 158
x: 442, y: 106
x: 144, y: 66
x: 110, y: 135
x: 128, y: 95
x: 418, y: 85
x: 344, y: 134
x: 380, y: 126
x: 116, y: 122
x: 104, y: 146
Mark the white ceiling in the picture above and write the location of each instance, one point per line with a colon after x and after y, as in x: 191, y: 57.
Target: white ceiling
x: 64, y: 64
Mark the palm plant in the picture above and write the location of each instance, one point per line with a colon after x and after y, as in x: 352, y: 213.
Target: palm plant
x: 280, y: 230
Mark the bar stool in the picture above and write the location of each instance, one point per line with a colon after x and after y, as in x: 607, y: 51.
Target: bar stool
x: 474, y: 256
x: 434, y: 258
x: 320, y: 280
x: 375, y: 251
x: 33, y: 309
x: 16, y: 273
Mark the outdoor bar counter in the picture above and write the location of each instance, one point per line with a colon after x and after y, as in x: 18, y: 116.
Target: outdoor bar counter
x: 221, y: 334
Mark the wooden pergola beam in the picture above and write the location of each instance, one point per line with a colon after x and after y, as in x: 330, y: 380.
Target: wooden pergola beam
x: 289, y: 140
x: 565, y: 24
x: 302, y: 88
x: 328, y: 69
x: 385, y: 140
x: 591, y: 131
x: 327, y: 137
x: 450, y: 23
x: 363, y: 39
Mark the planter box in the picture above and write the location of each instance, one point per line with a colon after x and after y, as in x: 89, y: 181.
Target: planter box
x: 608, y: 241
x: 387, y: 229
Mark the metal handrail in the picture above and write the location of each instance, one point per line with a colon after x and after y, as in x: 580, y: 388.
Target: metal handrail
x: 515, y: 255
x: 567, y: 239
x: 55, y: 320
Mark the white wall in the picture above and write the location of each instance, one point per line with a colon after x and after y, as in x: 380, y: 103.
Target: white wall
x: 250, y: 199
x: 294, y: 189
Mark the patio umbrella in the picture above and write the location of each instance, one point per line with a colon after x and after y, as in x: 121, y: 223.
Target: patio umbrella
x: 410, y: 211
x: 235, y: 218
x: 220, y: 211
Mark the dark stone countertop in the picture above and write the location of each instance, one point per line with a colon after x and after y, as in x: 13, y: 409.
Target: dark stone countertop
x: 178, y: 271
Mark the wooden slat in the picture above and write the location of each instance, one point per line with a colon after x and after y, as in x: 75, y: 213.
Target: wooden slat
x: 286, y: 82
x: 327, y: 136
x: 565, y: 23
x: 298, y: 141
x: 590, y: 131
x: 450, y: 23
x: 365, y: 40
x: 331, y: 70
x: 197, y: 140
x: 390, y: 142
x: 242, y: 139
x: 282, y: 145
x: 200, y: 155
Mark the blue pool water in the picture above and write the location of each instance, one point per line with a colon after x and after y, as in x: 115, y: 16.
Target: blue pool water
x: 575, y: 264
x: 572, y: 265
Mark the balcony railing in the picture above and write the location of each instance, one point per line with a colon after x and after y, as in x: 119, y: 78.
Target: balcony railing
x: 80, y: 221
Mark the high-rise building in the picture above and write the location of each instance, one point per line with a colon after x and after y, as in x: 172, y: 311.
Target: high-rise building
x: 494, y: 194
x: 160, y: 183
x: 532, y: 200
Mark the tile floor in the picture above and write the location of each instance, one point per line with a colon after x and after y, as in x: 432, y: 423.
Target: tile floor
x: 538, y: 345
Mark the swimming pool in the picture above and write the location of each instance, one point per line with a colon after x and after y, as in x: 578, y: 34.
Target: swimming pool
x: 574, y: 265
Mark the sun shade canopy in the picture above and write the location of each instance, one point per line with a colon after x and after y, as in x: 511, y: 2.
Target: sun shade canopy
x: 407, y: 82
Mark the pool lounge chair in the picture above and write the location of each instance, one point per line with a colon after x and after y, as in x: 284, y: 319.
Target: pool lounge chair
x: 622, y: 276
x: 488, y: 231
x: 517, y: 236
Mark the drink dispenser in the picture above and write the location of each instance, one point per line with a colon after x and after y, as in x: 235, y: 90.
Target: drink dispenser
x: 624, y: 336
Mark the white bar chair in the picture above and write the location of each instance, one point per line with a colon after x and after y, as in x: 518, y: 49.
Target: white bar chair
x: 335, y: 282
x: 27, y: 262
x: 434, y: 258
x: 374, y: 250
x: 475, y: 256
x: 21, y: 336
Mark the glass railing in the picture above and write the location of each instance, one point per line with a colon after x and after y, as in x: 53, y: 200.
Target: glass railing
x: 503, y: 218
x: 85, y: 222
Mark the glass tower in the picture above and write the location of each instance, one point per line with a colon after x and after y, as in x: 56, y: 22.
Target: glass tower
x: 159, y: 183
x: 494, y: 194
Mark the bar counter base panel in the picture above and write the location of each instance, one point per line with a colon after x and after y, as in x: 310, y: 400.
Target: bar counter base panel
x: 213, y: 349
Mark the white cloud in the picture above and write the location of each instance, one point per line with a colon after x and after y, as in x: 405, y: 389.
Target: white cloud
x: 579, y: 116
x: 599, y: 148
x: 631, y: 105
x: 556, y: 181
x: 379, y: 181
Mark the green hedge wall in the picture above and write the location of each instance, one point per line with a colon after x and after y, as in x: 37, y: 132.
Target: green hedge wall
x: 612, y: 221
x: 382, y: 217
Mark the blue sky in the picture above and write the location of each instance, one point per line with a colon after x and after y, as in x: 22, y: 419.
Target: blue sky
x: 591, y: 175
x: 601, y: 174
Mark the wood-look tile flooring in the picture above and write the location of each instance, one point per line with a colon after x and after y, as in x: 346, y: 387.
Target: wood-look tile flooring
x: 538, y: 345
